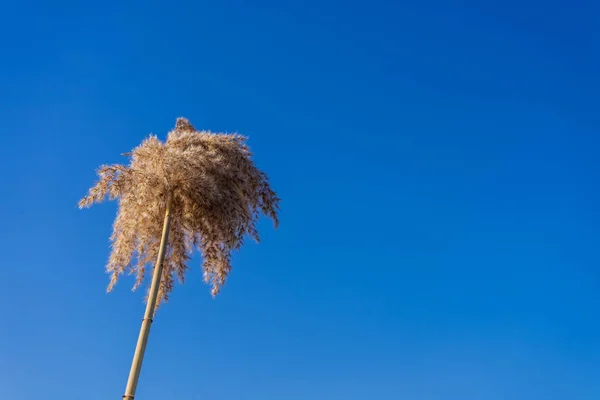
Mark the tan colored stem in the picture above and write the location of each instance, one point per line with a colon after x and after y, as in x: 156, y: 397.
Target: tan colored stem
x: 140, y: 348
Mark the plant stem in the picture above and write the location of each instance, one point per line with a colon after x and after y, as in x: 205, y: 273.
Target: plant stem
x: 140, y: 348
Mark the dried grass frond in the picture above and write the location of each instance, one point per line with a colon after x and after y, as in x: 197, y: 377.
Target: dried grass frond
x: 218, y: 196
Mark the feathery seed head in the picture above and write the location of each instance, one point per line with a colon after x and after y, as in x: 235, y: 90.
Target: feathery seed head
x: 218, y: 195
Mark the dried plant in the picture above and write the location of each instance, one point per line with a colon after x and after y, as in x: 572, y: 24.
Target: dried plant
x: 218, y: 195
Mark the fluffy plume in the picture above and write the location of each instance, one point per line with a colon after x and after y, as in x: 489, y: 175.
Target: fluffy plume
x: 218, y: 195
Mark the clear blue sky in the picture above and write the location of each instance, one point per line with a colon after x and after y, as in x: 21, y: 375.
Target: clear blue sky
x: 438, y: 169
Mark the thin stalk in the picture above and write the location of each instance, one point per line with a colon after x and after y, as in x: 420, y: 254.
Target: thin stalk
x: 140, y: 348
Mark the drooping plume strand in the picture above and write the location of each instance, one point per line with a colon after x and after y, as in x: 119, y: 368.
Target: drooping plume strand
x: 218, y: 196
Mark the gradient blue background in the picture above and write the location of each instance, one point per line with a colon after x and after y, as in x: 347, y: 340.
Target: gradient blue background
x: 438, y: 168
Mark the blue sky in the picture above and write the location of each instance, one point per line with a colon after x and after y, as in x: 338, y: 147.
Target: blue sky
x: 437, y: 164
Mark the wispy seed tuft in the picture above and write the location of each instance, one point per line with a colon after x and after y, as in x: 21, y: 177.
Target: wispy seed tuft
x: 218, y: 196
